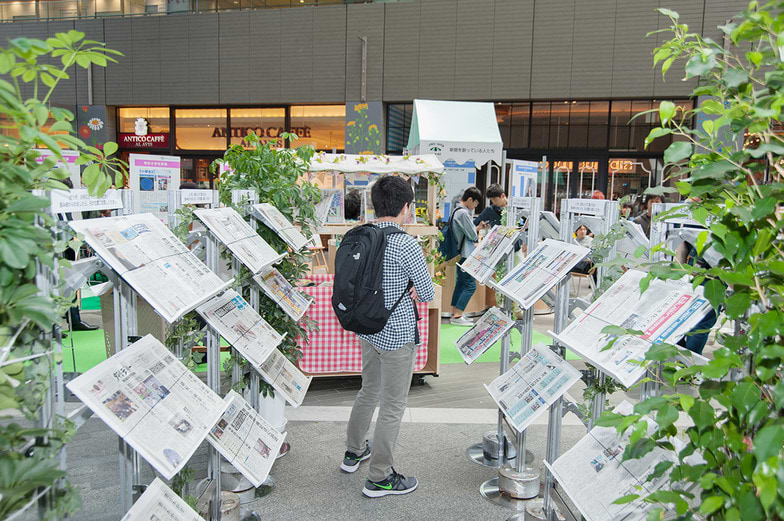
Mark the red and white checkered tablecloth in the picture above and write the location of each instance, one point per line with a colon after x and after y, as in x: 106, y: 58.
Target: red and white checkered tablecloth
x: 332, y: 349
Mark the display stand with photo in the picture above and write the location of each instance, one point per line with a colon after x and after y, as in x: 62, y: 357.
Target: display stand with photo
x: 275, y: 285
x: 160, y: 503
x: 493, y: 325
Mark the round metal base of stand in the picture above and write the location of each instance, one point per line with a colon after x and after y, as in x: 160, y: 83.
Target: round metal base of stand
x: 535, y: 511
x: 490, y: 491
x: 476, y: 454
x: 284, y: 449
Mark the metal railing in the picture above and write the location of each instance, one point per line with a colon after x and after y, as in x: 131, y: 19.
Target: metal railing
x: 25, y: 10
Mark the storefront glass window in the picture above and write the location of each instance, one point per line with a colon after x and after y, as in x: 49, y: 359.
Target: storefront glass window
x: 201, y: 129
x: 268, y: 123
x: 323, y: 126
x: 398, y: 126
x: 157, y: 119
x: 631, y: 176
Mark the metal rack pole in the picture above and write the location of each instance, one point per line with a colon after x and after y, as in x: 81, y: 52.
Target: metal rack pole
x: 213, y: 382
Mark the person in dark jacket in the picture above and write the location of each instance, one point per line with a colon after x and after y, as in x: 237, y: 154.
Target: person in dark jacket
x: 492, y: 214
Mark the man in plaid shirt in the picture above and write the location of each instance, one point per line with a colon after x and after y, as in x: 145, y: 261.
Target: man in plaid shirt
x: 388, y: 356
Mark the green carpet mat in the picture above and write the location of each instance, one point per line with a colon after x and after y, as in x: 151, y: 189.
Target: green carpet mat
x: 91, y: 303
x: 90, y: 350
x: 450, y: 355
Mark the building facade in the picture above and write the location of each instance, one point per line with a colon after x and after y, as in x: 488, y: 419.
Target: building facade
x: 566, y: 75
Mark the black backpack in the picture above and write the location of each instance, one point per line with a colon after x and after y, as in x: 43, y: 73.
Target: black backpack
x: 357, y: 294
x: 449, y: 248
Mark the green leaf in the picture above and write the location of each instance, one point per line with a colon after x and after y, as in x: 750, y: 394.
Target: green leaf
x: 29, y: 203
x: 677, y: 151
x: 763, y: 208
x: 711, y: 505
x: 714, y: 292
x: 711, y: 106
x: 734, y: 78
x: 702, y: 414
x: 699, y: 64
x: 737, y: 304
x: 768, y: 442
x: 656, y: 133
x: 745, y: 396
x: 626, y: 499
x: 686, y: 401
x: 754, y: 57
x: 669, y: 13
x: 109, y: 148
x: 666, y: 112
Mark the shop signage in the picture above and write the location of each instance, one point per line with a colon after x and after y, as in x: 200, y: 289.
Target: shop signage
x: 269, y: 132
x: 145, y: 141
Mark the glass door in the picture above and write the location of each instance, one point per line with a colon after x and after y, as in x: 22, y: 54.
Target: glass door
x: 196, y: 169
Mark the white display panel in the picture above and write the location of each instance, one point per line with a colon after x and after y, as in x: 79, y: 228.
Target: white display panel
x: 160, y: 503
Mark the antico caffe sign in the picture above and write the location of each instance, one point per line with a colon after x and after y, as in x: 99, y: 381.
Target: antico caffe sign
x: 141, y: 138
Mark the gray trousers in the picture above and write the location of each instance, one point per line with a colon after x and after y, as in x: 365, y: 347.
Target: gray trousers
x: 386, y: 376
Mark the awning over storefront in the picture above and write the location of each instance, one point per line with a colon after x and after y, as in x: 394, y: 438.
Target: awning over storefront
x: 377, y: 164
x: 456, y: 131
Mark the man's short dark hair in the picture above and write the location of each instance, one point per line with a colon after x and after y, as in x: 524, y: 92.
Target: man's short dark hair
x: 650, y: 197
x: 495, y: 190
x: 353, y: 204
x: 471, y: 192
x: 389, y: 195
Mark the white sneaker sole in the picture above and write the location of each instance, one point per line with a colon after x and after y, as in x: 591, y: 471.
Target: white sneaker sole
x: 354, y: 468
x: 382, y: 493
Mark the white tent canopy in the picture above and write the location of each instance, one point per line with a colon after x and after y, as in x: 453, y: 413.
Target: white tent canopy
x: 377, y: 164
x: 456, y: 131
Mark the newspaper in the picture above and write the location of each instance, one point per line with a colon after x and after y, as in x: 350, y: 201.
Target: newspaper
x: 273, y: 219
x: 142, y: 250
x: 542, y: 269
x: 486, y: 332
x: 593, y: 475
x: 152, y: 401
x: 483, y: 260
x: 241, y: 326
x: 160, y: 503
x: 285, y: 377
x: 275, y: 285
x: 664, y: 313
x: 634, y: 237
x: 527, y: 389
x: 246, y: 439
x: 241, y: 240
x: 330, y: 209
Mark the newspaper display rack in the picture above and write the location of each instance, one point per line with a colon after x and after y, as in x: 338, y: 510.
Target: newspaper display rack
x: 160, y: 503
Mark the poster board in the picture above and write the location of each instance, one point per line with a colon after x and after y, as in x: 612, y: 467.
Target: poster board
x: 530, y: 386
x: 664, y: 313
x: 237, y: 235
x: 524, y: 176
x: 246, y: 439
x: 79, y: 200
x: 152, y: 401
x: 152, y: 177
x: 160, y: 503
x: 142, y: 250
x: 277, y: 222
x: 542, y: 269
x: 330, y: 210
x: 484, y: 334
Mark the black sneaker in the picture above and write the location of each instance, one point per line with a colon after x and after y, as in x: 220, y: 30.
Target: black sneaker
x: 351, y: 461
x: 395, y: 484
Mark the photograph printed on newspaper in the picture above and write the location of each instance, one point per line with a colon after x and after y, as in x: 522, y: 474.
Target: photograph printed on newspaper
x: 242, y: 327
x: 285, y: 377
x: 246, y: 439
x: 330, y: 210
x: 482, y: 262
x: 152, y: 401
x: 277, y: 222
x: 530, y: 386
x: 143, y: 251
x: 593, y: 474
x: 237, y: 235
x: 160, y: 503
x: 542, y: 269
x: 486, y: 332
x: 664, y: 313
x: 275, y: 285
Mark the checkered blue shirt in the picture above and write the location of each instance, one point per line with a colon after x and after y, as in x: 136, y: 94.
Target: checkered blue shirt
x: 403, y: 261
